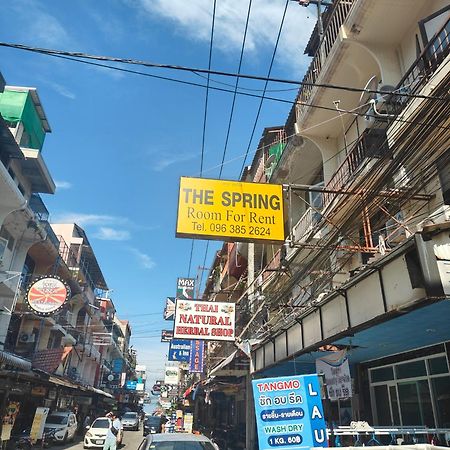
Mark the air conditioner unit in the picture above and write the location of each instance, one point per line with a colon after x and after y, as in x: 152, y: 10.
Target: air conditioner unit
x: 3, y: 246
x: 26, y: 337
x: 395, y: 233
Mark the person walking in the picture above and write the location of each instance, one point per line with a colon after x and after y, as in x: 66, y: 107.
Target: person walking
x: 113, y: 432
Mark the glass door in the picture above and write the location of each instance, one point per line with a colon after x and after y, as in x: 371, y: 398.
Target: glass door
x: 386, y: 404
x: 415, y: 403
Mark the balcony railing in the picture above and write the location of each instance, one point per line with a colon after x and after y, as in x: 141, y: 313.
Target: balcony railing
x: 424, y: 67
x: 371, y: 144
x: 302, y: 230
x: 339, y: 14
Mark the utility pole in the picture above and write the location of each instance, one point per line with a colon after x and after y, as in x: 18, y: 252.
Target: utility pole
x: 319, y: 4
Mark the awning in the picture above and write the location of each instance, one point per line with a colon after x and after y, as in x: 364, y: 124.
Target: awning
x: 60, y: 382
x: 224, y: 363
x: 15, y: 361
x: 99, y: 391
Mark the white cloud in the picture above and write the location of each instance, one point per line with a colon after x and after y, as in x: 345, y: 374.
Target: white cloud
x: 168, y: 160
x: 145, y: 260
x: 193, y: 18
x: 63, y: 184
x: 62, y: 90
x: 111, y: 234
x: 89, y: 219
x: 44, y: 28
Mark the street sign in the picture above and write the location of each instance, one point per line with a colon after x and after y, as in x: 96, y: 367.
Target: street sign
x: 131, y: 385
x: 219, y: 209
x: 179, y: 350
x: 185, y: 288
x: 166, y: 335
x: 169, y: 309
x: 289, y: 412
x: 171, y: 375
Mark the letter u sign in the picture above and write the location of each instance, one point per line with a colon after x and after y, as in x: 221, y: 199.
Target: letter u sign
x: 319, y: 436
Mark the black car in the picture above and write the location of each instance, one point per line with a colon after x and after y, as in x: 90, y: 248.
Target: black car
x: 152, y: 425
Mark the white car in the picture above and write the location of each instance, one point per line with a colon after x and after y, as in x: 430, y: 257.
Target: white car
x: 96, y: 433
x: 64, y: 424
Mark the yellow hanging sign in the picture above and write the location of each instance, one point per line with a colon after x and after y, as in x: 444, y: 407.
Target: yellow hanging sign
x: 230, y: 210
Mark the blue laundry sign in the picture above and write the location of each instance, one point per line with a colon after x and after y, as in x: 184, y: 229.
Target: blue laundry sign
x: 289, y: 413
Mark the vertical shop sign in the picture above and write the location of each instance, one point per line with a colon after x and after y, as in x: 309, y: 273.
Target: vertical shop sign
x: 188, y: 422
x: 37, y: 428
x: 9, y: 419
x: 289, y: 412
x: 196, y: 362
x: 185, y: 288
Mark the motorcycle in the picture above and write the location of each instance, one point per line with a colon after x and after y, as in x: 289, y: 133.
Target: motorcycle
x: 23, y: 440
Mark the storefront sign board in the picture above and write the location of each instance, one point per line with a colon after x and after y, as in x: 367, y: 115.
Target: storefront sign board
x: 219, y: 209
x: 172, y: 375
x: 289, y: 412
x: 196, y: 363
x: 169, y: 309
x: 188, y: 422
x: 213, y: 321
x: 166, y: 335
x: 185, y: 288
x: 179, y: 350
x: 47, y: 295
x: 337, y: 377
x: 37, y: 428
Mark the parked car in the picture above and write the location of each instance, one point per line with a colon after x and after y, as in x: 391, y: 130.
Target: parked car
x: 152, y: 425
x: 130, y: 421
x: 174, y: 441
x: 96, y: 433
x: 63, y: 425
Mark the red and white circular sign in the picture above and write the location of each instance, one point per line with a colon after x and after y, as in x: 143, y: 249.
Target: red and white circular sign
x: 47, y: 295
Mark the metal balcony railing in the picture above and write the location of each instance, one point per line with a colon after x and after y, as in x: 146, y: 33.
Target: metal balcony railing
x: 371, y: 144
x: 338, y: 17
x: 437, y: 49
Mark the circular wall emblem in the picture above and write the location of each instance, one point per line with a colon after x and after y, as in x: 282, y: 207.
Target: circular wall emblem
x: 47, y: 295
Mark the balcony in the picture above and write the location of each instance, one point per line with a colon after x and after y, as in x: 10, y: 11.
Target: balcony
x: 304, y: 228
x: 371, y: 144
x: 337, y: 18
x: 423, y: 68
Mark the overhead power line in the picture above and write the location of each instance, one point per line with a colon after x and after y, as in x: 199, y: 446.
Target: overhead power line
x: 265, y: 87
x: 46, y: 51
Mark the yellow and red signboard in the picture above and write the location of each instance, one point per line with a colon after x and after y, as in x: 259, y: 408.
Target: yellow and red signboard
x: 218, y: 209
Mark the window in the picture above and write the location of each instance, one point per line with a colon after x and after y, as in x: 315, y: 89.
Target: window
x: 438, y: 365
x: 382, y: 374
x: 411, y: 369
x: 4, y: 233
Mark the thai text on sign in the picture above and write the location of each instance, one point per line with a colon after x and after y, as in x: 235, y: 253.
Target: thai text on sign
x: 212, y: 321
x: 218, y: 209
x: 289, y: 412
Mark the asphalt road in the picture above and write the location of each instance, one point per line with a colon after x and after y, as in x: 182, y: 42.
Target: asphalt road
x: 131, y: 441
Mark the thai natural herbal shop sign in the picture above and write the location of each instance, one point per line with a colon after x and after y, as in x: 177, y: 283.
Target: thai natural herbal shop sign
x: 212, y: 321
x: 289, y: 413
x: 218, y: 209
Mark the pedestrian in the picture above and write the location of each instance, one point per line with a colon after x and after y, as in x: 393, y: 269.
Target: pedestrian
x: 113, y: 432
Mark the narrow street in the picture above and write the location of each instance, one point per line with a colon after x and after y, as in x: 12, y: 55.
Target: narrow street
x: 131, y: 441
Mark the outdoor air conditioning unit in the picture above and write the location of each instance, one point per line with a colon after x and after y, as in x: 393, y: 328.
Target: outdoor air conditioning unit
x: 26, y: 337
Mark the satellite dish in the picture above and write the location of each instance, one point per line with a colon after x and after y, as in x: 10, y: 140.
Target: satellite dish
x: 365, y: 97
x: 270, y: 160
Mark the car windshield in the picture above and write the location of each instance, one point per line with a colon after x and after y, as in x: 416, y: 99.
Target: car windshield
x: 57, y: 420
x: 180, y: 445
x: 130, y: 415
x: 152, y: 420
x: 100, y: 423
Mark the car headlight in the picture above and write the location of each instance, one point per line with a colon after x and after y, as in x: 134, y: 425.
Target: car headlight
x: 59, y: 433
x: 89, y: 434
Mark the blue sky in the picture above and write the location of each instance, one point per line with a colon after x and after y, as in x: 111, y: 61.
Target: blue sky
x: 120, y: 142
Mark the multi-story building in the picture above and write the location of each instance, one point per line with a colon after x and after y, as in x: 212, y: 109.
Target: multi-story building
x: 363, y: 273
x: 23, y: 173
